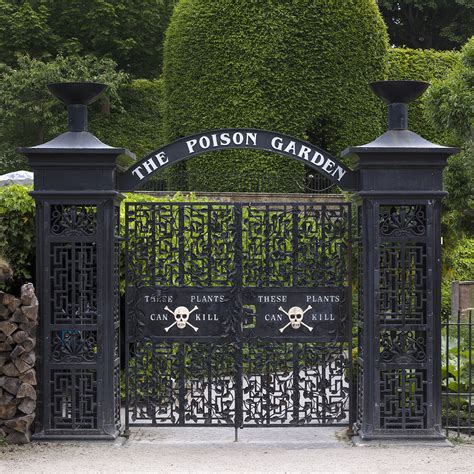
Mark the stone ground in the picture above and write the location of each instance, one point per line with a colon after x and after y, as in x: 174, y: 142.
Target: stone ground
x: 196, y: 450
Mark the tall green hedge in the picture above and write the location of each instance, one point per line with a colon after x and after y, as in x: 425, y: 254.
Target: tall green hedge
x: 423, y: 65
x: 137, y: 126
x: 297, y: 67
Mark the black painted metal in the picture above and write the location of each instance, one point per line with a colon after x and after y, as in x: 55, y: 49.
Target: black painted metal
x: 77, y: 216
x: 239, y: 372
x: 458, y: 374
x: 238, y: 138
x: 238, y: 314
x: 397, y: 94
x: 399, y: 361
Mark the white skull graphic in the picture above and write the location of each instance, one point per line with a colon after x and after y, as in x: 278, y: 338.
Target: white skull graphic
x: 296, y: 316
x: 181, y: 317
x: 181, y: 314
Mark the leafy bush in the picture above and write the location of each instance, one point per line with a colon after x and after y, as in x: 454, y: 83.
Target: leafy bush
x: 458, y: 369
x: 458, y: 206
x: 297, y: 67
x: 450, y: 101
x: 458, y: 265
x: 422, y: 65
x: 17, y: 228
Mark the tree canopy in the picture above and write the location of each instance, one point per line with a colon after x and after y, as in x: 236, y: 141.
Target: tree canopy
x: 428, y: 24
x: 29, y: 114
x: 130, y: 32
x: 450, y: 106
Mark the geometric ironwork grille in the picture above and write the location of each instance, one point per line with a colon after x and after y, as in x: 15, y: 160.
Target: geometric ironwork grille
x: 238, y: 314
x: 403, y: 326
x: 73, y: 315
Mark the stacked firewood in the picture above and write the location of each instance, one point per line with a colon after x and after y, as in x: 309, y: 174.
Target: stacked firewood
x: 18, y: 322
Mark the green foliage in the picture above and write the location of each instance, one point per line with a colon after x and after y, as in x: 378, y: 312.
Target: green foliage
x: 458, y: 206
x: 10, y: 160
x: 458, y: 369
x: 450, y: 107
x: 23, y: 29
x: 29, y: 114
x: 17, y: 228
x: 458, y: 265
x: 136, y: 127
x: 281, y: 66
x: 422, y: 65
x: 28, y: 110
x: 450, y: 101
x: 128, y: 31
x: 437, y: 24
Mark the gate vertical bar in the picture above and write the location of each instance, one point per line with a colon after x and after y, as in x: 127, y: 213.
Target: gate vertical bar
x: 127, y: 328
x: 350, y: 242
x: 400, y: 188
x: 238, y: 323
x: 77, y: 276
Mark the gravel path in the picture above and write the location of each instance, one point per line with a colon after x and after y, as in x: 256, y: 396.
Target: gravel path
x: 197, y: 450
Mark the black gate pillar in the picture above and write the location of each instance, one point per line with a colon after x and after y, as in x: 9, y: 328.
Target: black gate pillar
x: 400, y: 189
x: 77, y: 209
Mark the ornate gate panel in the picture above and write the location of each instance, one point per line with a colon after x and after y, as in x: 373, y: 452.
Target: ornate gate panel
x: 238, y: 314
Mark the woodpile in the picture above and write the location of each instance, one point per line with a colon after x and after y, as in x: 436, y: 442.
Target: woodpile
x: 18, y: 322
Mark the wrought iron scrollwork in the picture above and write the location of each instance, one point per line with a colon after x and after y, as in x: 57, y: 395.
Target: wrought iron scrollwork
x: 73, y: 220
x: 232, y: 379
x: 74, y: 346
x: 402, y: 347
x: 402, y: 221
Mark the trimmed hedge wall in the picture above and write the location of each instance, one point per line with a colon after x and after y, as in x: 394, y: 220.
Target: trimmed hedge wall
x: 298, y: 67
x: 422, y: 65
x: 137, y: 127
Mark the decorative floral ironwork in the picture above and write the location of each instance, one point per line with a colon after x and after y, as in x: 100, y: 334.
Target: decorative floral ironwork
x: 295, y: 384
x: 402, y: 347
x: 184, y: 383
x: 402, y: 220
x: 73, y: 220
x: 74, y: 346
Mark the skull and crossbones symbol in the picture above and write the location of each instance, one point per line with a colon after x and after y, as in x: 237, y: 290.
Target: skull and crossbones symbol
x: 295, y: 315
x: 181, y: 316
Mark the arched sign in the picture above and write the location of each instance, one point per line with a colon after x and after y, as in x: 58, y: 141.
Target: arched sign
x: 249, y: 139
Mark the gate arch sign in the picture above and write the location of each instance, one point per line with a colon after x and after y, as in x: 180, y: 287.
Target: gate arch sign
x: 238, y: 138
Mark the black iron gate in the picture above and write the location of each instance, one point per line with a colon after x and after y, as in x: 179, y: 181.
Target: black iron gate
x: 238, y: 314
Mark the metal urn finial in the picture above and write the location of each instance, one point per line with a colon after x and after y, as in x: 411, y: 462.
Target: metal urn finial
x: 398, y: 94
x: 77, y: 96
